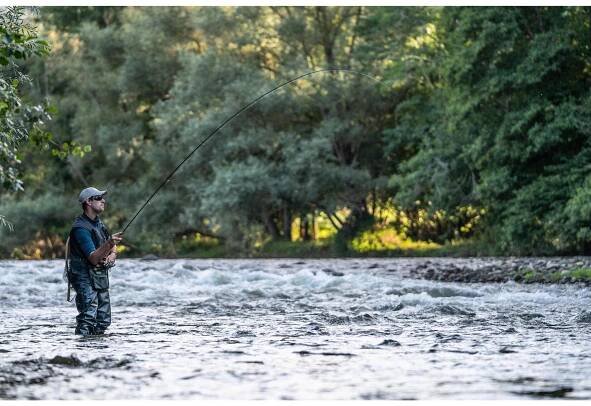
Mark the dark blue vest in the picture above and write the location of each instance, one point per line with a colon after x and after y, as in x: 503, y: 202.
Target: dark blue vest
x: 98, y: 233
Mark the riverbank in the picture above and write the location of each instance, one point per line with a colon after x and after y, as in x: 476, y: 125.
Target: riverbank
x: 522, y: 270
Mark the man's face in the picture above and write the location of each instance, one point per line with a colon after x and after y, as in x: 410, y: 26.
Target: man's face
x: 97, y: 203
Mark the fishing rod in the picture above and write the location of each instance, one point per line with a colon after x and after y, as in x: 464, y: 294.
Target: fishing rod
x: 226, y: 121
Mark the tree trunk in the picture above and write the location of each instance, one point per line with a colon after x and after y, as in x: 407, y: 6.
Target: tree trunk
x: 271, y: 226
x: 287, y: 219
x: 304, y: 231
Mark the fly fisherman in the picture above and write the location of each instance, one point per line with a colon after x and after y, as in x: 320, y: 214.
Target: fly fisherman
x: 91, y: 254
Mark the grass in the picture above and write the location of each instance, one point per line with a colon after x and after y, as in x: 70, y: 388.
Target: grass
x: 580, y: 274
x: 530, y: 276
x: 198, y: 247
x: 367, y: 247
x: 387, y: 240
x: 382, y: 243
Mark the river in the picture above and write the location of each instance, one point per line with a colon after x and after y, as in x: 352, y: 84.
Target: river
x: 293, y: 329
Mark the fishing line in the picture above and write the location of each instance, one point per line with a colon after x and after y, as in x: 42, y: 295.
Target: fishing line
x: 246, y: 107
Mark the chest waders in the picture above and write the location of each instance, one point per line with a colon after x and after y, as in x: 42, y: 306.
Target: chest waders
x: 91, y: 282
x: 98, y: 274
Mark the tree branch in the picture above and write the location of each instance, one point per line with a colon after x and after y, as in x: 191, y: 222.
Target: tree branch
x: 331, y: 220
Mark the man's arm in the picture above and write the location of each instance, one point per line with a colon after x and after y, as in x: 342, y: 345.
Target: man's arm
x: 84, y: 240
x: 101, y: 252
x: 104, y: 250
x: 85, y: 243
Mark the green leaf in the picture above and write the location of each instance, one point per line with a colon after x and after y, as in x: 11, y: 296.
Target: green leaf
x: 51, y: 109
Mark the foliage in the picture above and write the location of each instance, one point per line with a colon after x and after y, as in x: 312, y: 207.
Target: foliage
x: 6, y: 223
x: 21, y: 119
x: 574, y: 275
x: 18, y: 119
x: 580, y: 274
x: 476, y: 141
x: 513, y: 87
x: 36, y: 223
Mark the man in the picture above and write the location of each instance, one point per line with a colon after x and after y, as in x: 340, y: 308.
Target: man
x: 92, y: 251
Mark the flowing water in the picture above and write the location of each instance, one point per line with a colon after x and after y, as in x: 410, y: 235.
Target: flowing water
x: 292, y: 329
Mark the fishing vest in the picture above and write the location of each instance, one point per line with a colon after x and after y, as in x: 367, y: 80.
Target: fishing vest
x: 98, y: 233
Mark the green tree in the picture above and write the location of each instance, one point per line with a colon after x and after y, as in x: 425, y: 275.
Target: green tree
x: 314, y: 146
x: 92, y: 77
x: 19, y: 119
x: 512, y: 131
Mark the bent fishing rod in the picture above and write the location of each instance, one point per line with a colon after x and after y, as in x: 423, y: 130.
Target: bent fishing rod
x: 233, y: 116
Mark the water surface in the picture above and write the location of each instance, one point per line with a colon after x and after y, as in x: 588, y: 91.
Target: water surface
x: 292, y: 329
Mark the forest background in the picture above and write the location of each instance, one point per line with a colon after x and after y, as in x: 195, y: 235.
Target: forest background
x: 477, y: 141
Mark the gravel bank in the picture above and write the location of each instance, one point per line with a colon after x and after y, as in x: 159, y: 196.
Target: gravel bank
x: 522, y: 270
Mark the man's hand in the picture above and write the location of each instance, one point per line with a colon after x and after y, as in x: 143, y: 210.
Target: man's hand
x: 110, y: 259
x: 116, y: 238
x: 101, y: 253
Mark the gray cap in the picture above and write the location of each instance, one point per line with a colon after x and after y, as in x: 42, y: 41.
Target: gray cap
x: 90, y: 192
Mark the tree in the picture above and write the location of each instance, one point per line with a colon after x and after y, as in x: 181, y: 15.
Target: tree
x: 19, y: 120
x: 92, y: 77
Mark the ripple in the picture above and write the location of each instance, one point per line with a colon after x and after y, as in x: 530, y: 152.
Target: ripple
x: 559, y: 392
x: 453, y: 310
x: 584, y: 317
x: 326, y: 354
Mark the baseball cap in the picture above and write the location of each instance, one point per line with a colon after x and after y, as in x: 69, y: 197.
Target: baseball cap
x: 89, y: 192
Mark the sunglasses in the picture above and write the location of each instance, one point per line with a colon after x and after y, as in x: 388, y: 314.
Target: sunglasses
x: 97, y: 198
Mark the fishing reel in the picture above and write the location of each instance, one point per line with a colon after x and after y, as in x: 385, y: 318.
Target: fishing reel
x: 108, y: 264
x: 104, y: 265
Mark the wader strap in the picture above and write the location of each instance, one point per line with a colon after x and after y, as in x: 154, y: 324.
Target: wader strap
x: 67, y: 269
